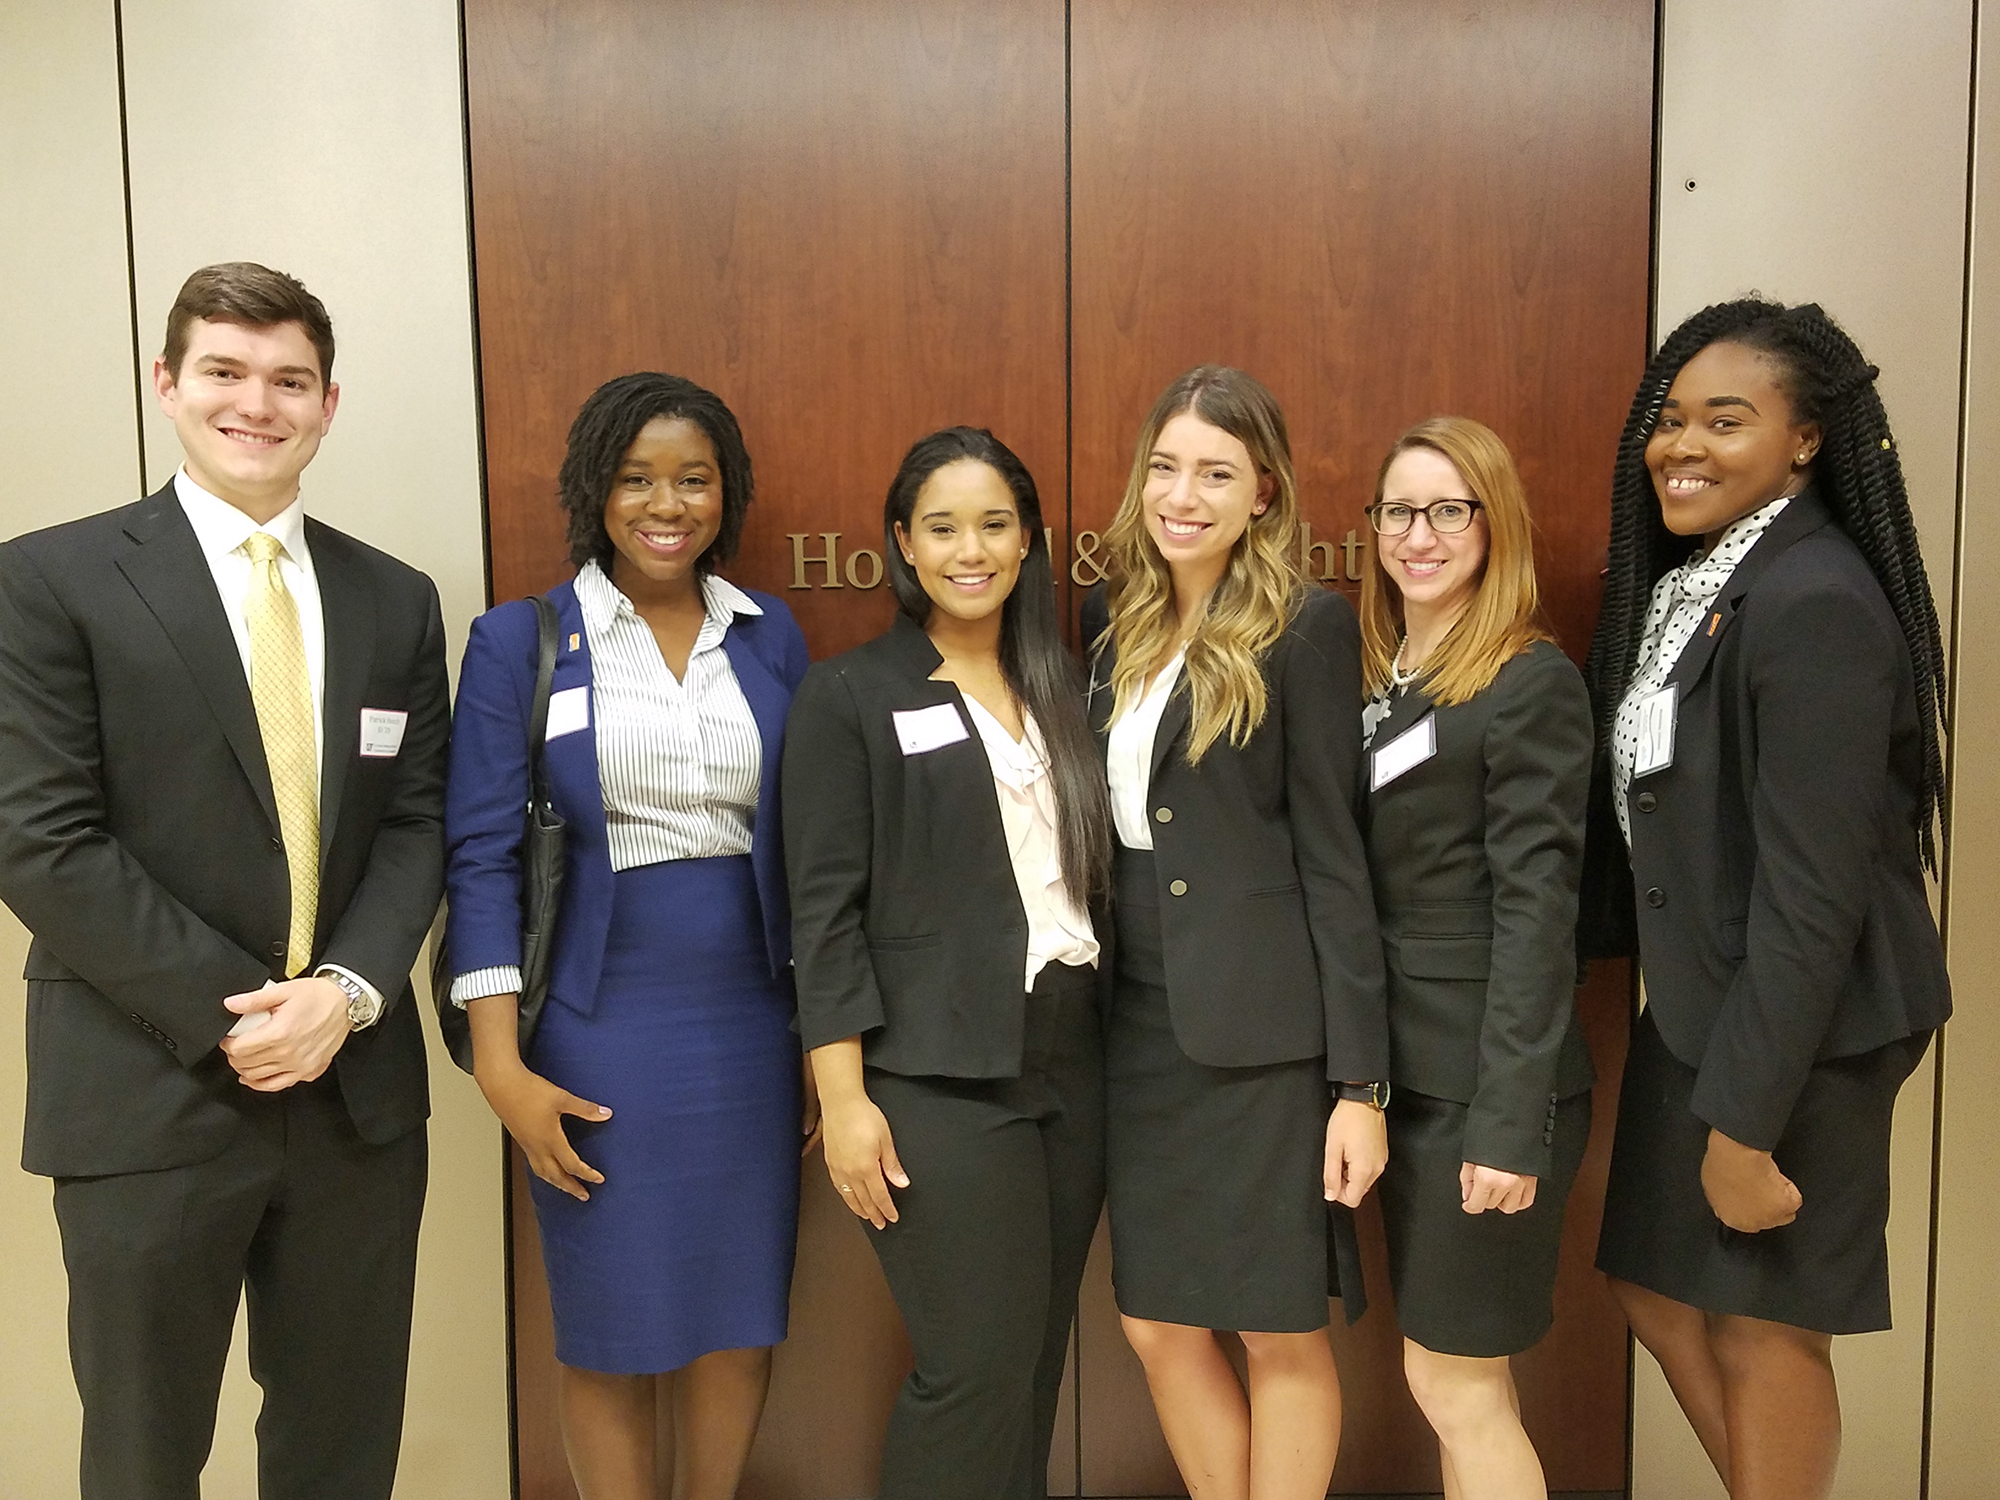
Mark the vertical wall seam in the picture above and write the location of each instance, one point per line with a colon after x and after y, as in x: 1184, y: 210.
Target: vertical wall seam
x: 131, y: 256
x: 1958, y: 590
x: 485, y: 495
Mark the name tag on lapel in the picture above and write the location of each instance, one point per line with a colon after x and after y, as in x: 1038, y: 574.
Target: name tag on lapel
x: 569, y: 711
x: 382, y: 732
x: 1407, y: 750
x: 919, y: 730
x: 1657, y: 712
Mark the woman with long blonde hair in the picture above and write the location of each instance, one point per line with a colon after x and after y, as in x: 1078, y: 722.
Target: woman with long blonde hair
x: 1247, y: 1050
x: 1479, y: 742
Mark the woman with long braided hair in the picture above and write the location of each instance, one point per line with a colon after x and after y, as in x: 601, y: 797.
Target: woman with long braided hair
x: 1768, y: 679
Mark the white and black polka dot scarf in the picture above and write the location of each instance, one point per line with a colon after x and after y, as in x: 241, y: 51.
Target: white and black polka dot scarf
x: 1681, y: 601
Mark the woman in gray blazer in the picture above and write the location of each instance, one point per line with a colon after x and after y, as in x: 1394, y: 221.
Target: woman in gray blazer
x: 1478, y: 772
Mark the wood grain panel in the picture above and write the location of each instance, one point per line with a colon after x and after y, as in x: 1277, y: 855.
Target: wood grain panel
x: 1385, y: 209
x: 848, y: 221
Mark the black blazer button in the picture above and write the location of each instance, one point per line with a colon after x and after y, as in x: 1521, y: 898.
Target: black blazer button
x: 1163, y: 815
x: 278, y: 948
x: 1647, y: 802
x: 277, y: 843
x: 1178, y: 888
x: 1656, y: 897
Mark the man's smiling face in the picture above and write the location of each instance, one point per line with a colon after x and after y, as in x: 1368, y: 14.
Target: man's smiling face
x: 250, y: 407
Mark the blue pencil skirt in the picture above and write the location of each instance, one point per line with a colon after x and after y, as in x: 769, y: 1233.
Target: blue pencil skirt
x: 686, y: 1247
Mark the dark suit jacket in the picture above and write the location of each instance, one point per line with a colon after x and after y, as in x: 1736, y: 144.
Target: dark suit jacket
x: 907, y: 923
x: 488, y: 789
x: 139, y: 841
x: 1271, y: 947
x: 1476, y: 854
x: 1783, y: 916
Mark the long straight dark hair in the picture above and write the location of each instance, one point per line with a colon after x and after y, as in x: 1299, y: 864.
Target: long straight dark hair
x: 1038, y: 668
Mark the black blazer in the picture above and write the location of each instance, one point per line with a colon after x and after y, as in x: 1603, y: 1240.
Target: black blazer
x: 907, y: 923
x: 139, y: 840
x: 1268, y: 924
x: 1476, y: 854
x: 1782, y: 911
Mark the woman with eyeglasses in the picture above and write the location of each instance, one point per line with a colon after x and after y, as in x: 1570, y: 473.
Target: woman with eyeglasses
x: 1478, y: 735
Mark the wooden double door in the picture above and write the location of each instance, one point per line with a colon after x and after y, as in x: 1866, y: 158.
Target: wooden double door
x: 860, y: 220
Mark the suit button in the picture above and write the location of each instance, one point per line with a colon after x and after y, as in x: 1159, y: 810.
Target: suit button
x: 1656, y: 897
x: 1647, y: 802
x: 1178, y: 888
x: 1163, y: 815
x: 278, y: 948
x: 277, y: 843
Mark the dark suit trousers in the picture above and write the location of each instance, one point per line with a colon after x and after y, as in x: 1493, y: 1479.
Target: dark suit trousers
x: 1006, y: 1184
x: 319, y: 1228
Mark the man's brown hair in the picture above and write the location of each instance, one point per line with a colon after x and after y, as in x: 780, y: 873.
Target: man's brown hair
x: 241, y: 291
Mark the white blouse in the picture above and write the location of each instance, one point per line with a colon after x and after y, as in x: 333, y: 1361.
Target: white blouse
x: 1681, y: 601
x: 678, y: 759
x: 1059, y: 931
x: 1128, y: 757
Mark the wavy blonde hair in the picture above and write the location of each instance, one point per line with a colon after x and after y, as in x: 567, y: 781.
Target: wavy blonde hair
x: 1256, y: 597
x: 1504, y: 617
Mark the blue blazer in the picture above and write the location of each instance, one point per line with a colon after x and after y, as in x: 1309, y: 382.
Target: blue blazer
x: 486, y: 795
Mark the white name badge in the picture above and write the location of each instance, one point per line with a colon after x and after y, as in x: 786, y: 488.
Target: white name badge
x: 1412, y: 747
x: 922, y: 729
x: 382, y: 732
x: 1655, y: 751
x: 569, y: 711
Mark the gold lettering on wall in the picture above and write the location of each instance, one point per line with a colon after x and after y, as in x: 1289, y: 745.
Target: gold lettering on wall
x: 862, y: 560
x: 827, y: 559
x: 1331, y: 555
x: 1087, y: 543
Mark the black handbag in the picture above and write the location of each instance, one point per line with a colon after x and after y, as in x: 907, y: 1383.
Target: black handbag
x: 543, y: 860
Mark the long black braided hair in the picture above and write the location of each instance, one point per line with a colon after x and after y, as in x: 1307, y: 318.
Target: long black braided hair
x: 1856, y: 473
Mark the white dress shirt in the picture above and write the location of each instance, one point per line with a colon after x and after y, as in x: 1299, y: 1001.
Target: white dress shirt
x: 1128, y: 758
x: 1681, y: 601
x: 678, y: 759
x: 1058, y: 930
x: 220, y: 529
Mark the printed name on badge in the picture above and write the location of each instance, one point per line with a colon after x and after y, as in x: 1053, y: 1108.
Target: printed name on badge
x: 922, y: 729
x: 382, y: 732
x: 1656, y: 731
x: 1409, y: 749
x: 569, y: 711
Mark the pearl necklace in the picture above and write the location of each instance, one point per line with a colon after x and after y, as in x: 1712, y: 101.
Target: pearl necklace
x: 1398, y: 678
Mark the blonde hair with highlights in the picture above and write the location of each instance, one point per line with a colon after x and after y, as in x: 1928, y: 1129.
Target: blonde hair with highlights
x: 1256, y: 597
x: 1504, y: 617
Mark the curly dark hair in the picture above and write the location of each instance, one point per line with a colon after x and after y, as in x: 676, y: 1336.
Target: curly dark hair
x: 1856, y: 472
x: 604, y: 431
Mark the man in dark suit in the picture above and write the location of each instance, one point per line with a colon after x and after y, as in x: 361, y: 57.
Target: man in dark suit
x: 222, y: 739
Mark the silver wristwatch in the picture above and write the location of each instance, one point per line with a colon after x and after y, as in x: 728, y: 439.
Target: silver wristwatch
x: 363, y: 1009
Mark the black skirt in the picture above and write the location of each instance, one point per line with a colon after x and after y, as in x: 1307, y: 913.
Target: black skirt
x: 1213, y: 1175
x: 1827, y: 1270
x: 1479, y: 1285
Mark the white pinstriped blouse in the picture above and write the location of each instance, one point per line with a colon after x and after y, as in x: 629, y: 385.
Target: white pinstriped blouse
x: 677, y: 759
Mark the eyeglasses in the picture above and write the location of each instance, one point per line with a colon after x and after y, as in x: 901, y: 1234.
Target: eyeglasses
x: 1446, y: 517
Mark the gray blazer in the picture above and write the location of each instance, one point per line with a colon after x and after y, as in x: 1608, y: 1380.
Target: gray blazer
x: 1476, y: 853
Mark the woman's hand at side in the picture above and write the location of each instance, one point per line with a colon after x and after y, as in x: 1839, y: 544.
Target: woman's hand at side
x: 1481, y: 1188
x: 812, y: 1124
x: 528, y: 1104
x: 1357, y: 1149
x: 860, y: 1154
x: 1744, y: 1187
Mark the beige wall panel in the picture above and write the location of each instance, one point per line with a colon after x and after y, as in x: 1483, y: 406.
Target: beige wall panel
x: 326, y: 141
x: 1827, y: 166
x: 1965, y: 1439
x: 71, y: 442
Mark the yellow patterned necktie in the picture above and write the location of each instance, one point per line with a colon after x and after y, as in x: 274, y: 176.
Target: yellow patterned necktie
x: 282, y: 693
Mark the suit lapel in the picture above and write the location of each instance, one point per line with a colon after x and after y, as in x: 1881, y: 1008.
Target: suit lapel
x: 1174, y: 722
x: 572, y: 758
x: 1803, y: 516
x: 168, y: 572
x: 764, y: 693
x: 348, y: 625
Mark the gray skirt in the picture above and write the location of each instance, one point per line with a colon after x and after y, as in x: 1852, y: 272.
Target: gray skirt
x: 1213, y: 1175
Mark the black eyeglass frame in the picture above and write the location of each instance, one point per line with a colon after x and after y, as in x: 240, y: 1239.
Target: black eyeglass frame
x: 1373, y: 512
